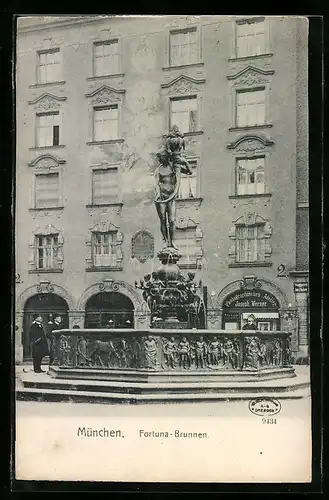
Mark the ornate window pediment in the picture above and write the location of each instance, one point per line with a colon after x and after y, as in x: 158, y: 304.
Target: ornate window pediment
x: 106, y: 95
x: 183, y: 85
x: 46, y: 162
x: 250, y: 76
x: 250, y: 143
x: 47, y: 102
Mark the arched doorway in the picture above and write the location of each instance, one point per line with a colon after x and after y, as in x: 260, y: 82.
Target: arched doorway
x: 240, y: 304
x: 109, y: 310
x: 45, y: 304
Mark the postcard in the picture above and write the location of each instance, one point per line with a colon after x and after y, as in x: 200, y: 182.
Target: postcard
x: 161, y: 245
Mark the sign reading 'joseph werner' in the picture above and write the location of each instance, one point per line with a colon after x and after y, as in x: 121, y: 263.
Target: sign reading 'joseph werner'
x: 251, y: 299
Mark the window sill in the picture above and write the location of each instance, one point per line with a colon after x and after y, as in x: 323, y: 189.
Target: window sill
x: 45, y: 209
x: 103, y: 268
x: 192, y: 265
x: 188, y: 134
x: 197, y: 199
x: 44, y: 271
x: 181, y: 66
x: 110, y: 141
x: 255, y: 56
x: 114, y: 75
x: 47, y: 84
x: 36, y: 148
x: 114, y: 204
x: 247, y: 196
x: 251, y: 264
x: 251, y: 127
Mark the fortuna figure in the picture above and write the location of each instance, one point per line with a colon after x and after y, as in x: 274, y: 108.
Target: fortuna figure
x: 167, y: 177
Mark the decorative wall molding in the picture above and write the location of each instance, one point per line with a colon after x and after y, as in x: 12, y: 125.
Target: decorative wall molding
x: 105, y: 95
x: 142, y: 246
x: 250, y: 143
x: 250, y: 76
x: 111, y: 285
x: 250, y: 283
x: 104, y: 226
x: 46, y: 230
x: 249, y: 219
x: 245, y: 200
x: 43, y: 287
x: 111, y: 210
x: 54, y: 213
x: 47, y: 102
x: 183, y: 85
x: 46, y: 161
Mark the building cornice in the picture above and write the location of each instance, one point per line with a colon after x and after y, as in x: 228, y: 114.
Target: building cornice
x: 61, y: 23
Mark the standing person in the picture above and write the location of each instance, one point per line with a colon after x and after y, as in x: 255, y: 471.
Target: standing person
x: 39, y: 342
x: 57, y: 325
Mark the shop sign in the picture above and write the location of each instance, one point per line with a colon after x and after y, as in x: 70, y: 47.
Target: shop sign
x: 251, y: 299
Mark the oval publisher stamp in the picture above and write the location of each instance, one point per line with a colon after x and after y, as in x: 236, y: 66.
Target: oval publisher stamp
x: 264, y: 406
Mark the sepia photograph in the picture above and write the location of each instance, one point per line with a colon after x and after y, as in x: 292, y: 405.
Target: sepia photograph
x: 162, y: 305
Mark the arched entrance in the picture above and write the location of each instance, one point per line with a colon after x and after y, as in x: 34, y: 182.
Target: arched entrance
x: 109, y: 310
x: 45, y: 304
x: 240, y: 304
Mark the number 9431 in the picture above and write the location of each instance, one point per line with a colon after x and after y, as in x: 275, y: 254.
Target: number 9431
x: 269, y: 420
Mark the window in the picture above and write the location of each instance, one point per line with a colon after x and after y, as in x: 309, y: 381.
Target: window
x: 250, y: 176
x: 104, y: 186
x: 49, y: 66
x: 187, y: 245
x: 183, y: 47
x: 250, y: 241
x: 188, y: 184
x: 47, y: 251
x: 106, y: 123
x: 250, y: 37
x: 104, y: 247
x: 106, y: 58
x: 183, y: 113
x: 46, y: 190
x: 47, y: 129
x: 250, y: 107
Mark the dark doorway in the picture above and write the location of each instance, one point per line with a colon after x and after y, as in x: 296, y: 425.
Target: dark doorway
x: 45, y: 304
x: 109, y: 310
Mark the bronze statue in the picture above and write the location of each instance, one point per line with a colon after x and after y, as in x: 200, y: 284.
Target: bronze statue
x: 167, y: 177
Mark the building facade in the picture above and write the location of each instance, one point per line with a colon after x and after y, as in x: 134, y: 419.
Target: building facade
x: 95, y: 98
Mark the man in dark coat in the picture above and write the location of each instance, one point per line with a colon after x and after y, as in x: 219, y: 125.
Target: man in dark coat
x: 39, y: 342
x: 251, y: 323
x: 56, y: 325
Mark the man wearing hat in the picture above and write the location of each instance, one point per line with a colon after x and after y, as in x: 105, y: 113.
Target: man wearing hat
x: 39, y: 342
x: 251, y: 323
x: 56, y: 325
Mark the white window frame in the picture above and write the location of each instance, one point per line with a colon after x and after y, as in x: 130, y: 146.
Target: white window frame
x: 112, y: 166
x: 236, y: 90
x: 108, y: 41
x: 57, y: 112
x: 60, y: 69
x: 46, y: 231
x: 104, y: 227
x: 198, y: 61
x: 194, y: 159
x: 176, y: 97
x: 100, y: 108
x: 39, y: 174
x: 254, y: 226
x: 267, y: 31
x: 99, y: 40
x: 112, y: 245
x: 45, y: 171
x: 237, y: 158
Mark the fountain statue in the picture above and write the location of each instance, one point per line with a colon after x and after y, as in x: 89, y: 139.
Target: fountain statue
x: 171, y: 297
